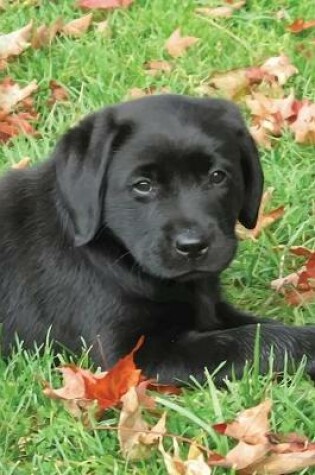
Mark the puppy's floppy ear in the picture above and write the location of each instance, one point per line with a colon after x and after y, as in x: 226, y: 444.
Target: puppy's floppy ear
x: 82, y: 158
x: 253, y: 180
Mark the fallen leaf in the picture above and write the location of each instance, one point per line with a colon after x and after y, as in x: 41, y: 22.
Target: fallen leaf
x: 78, y: 27
x: 264, y: 219
x: 104, y: 4
x: 282, y: 282
x: 82, y: 387
x: 155, y: 67
x: 280, y: 464
x: 72, y: 393
x: 260, y: 135
x: 177, y: 44
x: 260, y: 451
x: 15, y: 124
x: 272, y: 115
x: 103, y: 28
x: 164, y: 388
x: 44, y: 34
x: 137, y: 92
x: 282, y: 14
x: 58, y: 93
x: 14, y: 43
x: 236, y: 83
x: 23, y: 163
x: 222, y: 11
x: 231, y: 84
x: 194, y: 465
x: 263, y: 107
x: 135, y: 437
x: 115, y: 383
x: 11, y: 93
x: 304, y: 125
x: 280, y: 67
x: 250, y: 426
x: 300, y: 25
x: 298, y: 287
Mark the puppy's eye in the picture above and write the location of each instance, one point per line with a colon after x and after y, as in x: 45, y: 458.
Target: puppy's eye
x: 217, y: 177
x: 143, y: 187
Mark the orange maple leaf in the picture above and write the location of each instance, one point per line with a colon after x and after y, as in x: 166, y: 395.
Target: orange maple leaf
x: 113, y: 385
x: 300, y: 25
x: 81, y: 387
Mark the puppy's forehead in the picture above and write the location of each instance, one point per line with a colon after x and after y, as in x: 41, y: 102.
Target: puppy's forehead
x: 176, y: 128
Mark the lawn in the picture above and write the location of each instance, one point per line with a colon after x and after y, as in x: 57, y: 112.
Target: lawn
x: 37, y: 436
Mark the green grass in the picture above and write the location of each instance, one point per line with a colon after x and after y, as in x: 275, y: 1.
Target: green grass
x: 37, y: 436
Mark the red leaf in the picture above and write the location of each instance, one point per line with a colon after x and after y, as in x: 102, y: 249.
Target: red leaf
x: 12, y: 125
x: 164, y: 388
x: 221, y: 428
x: 58, y: 93
x: 110, y: 388
x: 300, y: 25
x: 104, y: 4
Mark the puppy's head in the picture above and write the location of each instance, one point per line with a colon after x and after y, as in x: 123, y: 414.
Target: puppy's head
x: 169, y: 176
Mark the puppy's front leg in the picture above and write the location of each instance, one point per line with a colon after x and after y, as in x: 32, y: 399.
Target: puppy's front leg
x: 175, y: 360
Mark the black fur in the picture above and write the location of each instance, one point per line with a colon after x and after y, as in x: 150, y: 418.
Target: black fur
x: 87, y: 250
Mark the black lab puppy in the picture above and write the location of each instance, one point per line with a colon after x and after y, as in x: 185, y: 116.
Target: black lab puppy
x: 124, y: 232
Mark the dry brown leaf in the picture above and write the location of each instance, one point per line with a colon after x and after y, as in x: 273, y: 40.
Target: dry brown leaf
x: 23, y: 163
x: 304, y: 125
x: 44, y: 34
x: 231, y: 84
x: 103, y: 28
x: 11, y: 93
x: 194, y: 465
x: 288, y: 281
x: 155, y: 67
x: 135, y: 437
x: 282, y: 14
x: 78, y: 27
x: 298, y: 287
x: 72, y: 392
x: 177, y: 44
x: 263, y: 107
x: 260, y: 451
x: 264, y: 219
x: 271, y: 115
x: 217, y: 12
x: 236, y: 83
x: 260, y: 136
x: 280, y: 67
x: 14, y: 43
x: 250, y: 426
x: 58, y: 93
x: 137, y: 92
x: 280, y: 464
x: 223, y: 11
x: 16, y: 124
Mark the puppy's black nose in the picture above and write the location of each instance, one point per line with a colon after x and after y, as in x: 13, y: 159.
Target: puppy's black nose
x: 191, y: 246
